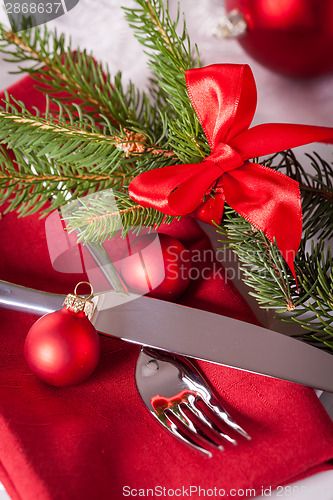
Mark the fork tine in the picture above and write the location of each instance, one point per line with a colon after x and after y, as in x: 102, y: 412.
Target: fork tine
x: 188, y: 436
x: 224, y: 416
x: 201, y: 430
x: 202, y: 417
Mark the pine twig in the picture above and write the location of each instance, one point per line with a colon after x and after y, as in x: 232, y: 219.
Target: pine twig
x: 70, y: 84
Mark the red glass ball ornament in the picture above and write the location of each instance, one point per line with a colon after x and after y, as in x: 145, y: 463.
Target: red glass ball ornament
x: 158, y: 266
x: 292, y: 37
x: 62, y: 348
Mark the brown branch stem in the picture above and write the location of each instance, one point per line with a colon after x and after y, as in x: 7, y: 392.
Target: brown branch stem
x: 135, y: 145
x: 321, y: 193
x: 30, y: 179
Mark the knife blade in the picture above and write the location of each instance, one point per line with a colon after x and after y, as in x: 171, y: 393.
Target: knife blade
x: 192, y: 332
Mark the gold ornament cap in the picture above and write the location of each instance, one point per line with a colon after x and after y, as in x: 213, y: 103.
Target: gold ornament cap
x: 78, y: 303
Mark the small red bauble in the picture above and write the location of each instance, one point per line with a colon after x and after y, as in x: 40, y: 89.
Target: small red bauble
x: 62, y: 348
x: 292, y: 37
x: 158, y: 265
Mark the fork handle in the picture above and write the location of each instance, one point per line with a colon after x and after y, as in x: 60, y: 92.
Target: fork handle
x: 20, y: 298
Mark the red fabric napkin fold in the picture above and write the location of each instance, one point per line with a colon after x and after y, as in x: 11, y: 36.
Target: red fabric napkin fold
x: 97, y: 440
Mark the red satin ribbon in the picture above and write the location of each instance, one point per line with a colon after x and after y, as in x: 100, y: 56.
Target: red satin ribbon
x: 224, y: 98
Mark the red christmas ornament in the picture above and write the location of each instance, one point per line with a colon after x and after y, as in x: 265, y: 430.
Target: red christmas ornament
x: 158, y: 266
x: 292, y: 37
x: 62, y: 348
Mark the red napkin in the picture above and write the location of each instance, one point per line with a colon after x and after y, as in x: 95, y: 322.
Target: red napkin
x: 97, y: 440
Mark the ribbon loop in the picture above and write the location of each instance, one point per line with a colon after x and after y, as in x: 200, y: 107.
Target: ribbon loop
x: 224, y: 98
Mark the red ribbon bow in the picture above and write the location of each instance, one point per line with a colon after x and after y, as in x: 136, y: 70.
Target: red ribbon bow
x: 224, y: 98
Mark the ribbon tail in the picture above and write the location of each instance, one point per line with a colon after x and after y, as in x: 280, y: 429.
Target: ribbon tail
x: 211, y: 210
x: 271, y: 202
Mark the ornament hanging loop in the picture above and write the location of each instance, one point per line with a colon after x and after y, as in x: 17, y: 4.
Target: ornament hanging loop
x: 85, y: 283
x: 79, y: 303
x: 231, y: 25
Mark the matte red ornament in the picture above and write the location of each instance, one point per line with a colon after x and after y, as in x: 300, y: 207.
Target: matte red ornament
x: 158, y: 266
x: 292, y: 37
x: 62, y: 348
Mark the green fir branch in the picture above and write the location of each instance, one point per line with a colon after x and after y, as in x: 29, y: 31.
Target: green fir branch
x: 76, y: 142
x: 31, y: 183
x: 56, y: 67
x: 272, y: 284
x: 66, y: 74
x: 264, y: 269
x: 56, y: 160
x: 314, y: 311
x: 169, y: 48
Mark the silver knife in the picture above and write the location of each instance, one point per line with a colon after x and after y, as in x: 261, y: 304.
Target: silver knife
x: 191, y: 332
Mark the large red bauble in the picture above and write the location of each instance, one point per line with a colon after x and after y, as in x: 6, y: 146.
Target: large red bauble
x: 62, y: 348
x: 158, y: 266
x: 293, y: 37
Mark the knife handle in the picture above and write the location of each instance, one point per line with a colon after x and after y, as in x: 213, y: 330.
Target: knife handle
x: 20, y: 298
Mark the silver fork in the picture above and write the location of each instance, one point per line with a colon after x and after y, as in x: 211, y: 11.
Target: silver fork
x: 180, y: 398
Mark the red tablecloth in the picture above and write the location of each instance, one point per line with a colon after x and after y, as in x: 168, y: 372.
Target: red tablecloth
x: 97, y: 440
